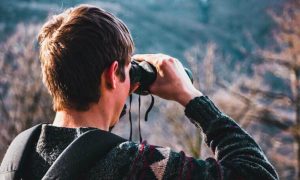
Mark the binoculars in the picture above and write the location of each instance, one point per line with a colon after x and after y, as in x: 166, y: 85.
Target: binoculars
x: 145, y: 73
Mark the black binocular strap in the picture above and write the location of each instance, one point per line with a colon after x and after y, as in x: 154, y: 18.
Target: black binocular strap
x: 82, y: 154
x: 149, y: 108
x: 130, y: 120
x: 139, y: 115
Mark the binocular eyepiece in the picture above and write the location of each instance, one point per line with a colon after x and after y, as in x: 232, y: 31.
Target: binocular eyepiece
x: 145, y: 73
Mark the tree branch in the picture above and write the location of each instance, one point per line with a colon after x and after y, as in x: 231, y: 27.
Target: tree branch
x: 4, y: 109
x: 269, y: 94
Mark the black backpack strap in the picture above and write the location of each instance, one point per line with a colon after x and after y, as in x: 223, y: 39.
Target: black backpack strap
x: 82, y: 154
x: 16, y: 155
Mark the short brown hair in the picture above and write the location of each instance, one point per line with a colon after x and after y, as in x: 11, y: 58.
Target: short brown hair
x: 76, y: 46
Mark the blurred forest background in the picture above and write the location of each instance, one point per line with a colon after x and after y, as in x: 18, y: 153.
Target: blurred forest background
x: 245, y: 55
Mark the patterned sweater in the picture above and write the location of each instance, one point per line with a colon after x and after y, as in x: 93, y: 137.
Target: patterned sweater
x: 237, y: 156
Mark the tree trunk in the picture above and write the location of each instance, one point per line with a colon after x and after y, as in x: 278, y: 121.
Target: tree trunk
x: 297, y: 108
x: 297, y: 133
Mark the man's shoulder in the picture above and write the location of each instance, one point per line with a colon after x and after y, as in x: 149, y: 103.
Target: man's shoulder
x: 131, y: 159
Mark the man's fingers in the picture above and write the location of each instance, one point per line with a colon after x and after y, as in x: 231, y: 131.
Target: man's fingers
x: 152, y: 58
x: 140, y: 57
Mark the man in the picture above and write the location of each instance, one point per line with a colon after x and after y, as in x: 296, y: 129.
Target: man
x: 85, y: 54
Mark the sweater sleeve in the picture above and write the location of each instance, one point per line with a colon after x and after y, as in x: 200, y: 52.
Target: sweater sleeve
x: 237, y: 155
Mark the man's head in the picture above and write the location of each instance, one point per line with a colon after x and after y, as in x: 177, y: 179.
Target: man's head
x: 76, y: 47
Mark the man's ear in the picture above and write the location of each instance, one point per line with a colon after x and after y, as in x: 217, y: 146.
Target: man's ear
x: 111, y: 75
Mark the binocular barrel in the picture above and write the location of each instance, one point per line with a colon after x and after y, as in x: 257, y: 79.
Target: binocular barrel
x: 145, y: 73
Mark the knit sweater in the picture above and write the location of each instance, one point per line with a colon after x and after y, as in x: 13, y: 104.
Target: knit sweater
x: 237, y: 156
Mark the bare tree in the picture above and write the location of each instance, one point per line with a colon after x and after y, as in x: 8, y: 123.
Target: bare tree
x: 201, y: 60
x: 272, y: 94
x: 24, y: 100
x: 284, y: 63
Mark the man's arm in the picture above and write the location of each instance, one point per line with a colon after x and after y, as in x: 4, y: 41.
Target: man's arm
x: 237, y: 156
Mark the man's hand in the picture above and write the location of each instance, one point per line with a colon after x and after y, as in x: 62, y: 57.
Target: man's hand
x: 172, y: 82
